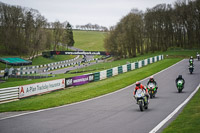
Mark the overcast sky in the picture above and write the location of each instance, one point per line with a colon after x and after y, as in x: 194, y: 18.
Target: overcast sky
x: 80, y: 12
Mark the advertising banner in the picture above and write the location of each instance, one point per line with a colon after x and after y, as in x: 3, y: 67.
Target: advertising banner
x: 79, y: 80
x: 42, y: 87
x: 78, y: 53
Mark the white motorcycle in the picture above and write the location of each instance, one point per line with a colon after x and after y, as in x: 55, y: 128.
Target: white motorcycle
x: 141, y: 99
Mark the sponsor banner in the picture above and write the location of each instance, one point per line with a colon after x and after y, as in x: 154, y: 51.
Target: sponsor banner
x: 43, y: 87
x: 79, y: 80
x: 79, y: 53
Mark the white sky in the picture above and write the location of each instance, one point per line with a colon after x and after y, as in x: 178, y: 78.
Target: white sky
x: 80, y: 12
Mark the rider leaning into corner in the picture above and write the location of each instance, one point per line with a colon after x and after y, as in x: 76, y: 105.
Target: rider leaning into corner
x: 152, y: 80
x: 180, y: 78
x: 140, y: 86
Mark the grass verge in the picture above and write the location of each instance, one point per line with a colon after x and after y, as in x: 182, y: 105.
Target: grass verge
x: 86, y: 91
x: 188, y: 120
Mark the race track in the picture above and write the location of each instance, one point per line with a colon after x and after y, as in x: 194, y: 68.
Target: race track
x: 112, y: 113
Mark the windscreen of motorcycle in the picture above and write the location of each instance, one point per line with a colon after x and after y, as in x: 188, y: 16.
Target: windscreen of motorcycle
x: 139, y: 93
x: 180, y: 82
x: 151, y: 85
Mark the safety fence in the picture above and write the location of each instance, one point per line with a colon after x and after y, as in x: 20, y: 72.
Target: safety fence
x: 48, y: 86
x: 21, y: 70
x: 9, y: 93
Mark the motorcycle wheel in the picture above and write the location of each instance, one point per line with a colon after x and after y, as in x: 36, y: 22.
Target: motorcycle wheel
x: 141, y: 106
x: 146, y: 107
x: 151, y: 96
x: 179, y: 91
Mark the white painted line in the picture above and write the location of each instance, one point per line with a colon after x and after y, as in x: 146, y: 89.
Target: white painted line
x: 174, y: 112
x: 88, y: 99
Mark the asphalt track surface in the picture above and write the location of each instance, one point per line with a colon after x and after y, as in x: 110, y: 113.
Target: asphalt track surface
x: 113, y: 113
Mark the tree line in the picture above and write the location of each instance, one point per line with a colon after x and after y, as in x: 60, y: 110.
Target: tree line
x: 25, y: 31
x: 157, y: 29
x: 90, y: 26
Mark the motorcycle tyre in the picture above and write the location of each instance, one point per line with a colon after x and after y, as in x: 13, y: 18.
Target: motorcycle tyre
x: 141, y: 106
x: 146, y: 107
x: 180, y: 90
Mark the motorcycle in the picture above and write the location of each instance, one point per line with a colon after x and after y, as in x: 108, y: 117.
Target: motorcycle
x: 141, y: 99
x: 152, y: 90
x: 180, y: 86
x: 198, y: 57
x: 190, y: 62
x: 191, y: 69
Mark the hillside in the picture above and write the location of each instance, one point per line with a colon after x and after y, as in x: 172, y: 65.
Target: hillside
x: 89, y: 40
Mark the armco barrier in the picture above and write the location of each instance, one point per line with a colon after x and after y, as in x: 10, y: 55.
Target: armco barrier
x: 97, y: 76
x: 120, y: 70
x: 44, y: 87
x: 9, y: 93
x: 129, y: 67
x: 40, y: 66
x: 115, y: 71
x: 109, y: 73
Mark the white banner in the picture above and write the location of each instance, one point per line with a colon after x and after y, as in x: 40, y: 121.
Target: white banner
x: 42, y: 87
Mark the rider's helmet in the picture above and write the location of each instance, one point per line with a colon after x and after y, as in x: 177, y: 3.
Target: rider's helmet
x: 137, y: 84
x: 180, y: 76
x: 191, y: 57
x: 151, y: 78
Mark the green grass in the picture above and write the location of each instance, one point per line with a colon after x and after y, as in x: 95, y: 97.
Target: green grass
x: 86, y: 91
x: 181, y: 53
x: 188, y: 120
x: 89, y: 40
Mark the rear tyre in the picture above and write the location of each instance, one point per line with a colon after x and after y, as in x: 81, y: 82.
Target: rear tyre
x: 179, y: 91
x: 146, y: 107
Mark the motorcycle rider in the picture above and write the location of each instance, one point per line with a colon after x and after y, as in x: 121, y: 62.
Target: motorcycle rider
x: 191, y: 60
x: 198, y: 56
x: 140, y: 86
x: 180, y: 78
x: 152, y: 80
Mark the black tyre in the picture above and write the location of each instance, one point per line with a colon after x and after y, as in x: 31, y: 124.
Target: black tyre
x: 141, y: 106
x: 146, y: 107
x: 179, y: 91
x: 151, y: 96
